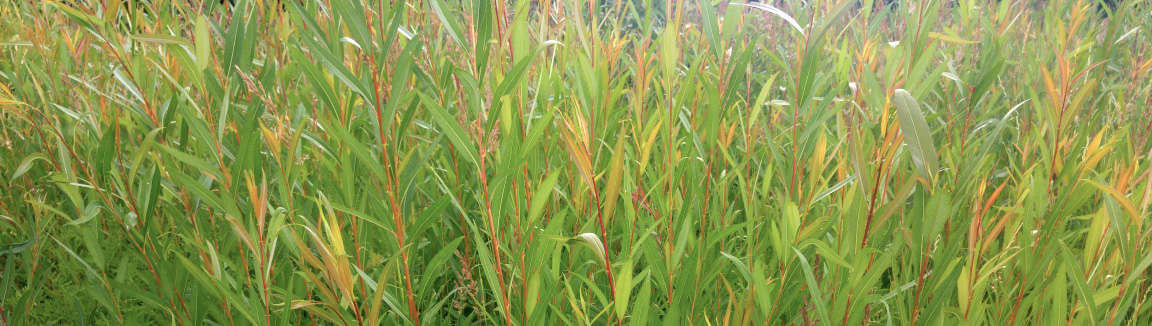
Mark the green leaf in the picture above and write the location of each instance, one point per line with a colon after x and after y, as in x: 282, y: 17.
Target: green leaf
x: 540, y: 197
x: 336, y: 67
x: 449, y: 23
x: 950, y: 38
x: 203, y: 43
x: 17, y: 247
x: 917, y: 136
x: 1120, y: 198
x: 163, y: 39
x: 517, y: 72
x: 813, y: 289
x: 236, y: 43
x: 615, y: 174
x: 1072, y: 266
x: 740, y: 266
x: 451, y: 129
x: 195, y: 162
x: 641, y: 308
x: 91, y: 272
x: 321, y: 87
x: 432, y: 270
x: 826, y: 252
x: 623, y: 288
x: 482, y: 20
x: 26, y: 164
x: 352, y: 13
x: 105, y: 153
x: 711, y: 28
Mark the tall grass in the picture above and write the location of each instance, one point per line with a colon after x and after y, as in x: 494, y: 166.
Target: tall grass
x: 586, y: 162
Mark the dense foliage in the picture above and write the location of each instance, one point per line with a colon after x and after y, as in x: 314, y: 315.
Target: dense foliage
x: 584, y: 162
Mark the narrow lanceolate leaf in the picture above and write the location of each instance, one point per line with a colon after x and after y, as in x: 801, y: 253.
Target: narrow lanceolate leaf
x: 615, y: 174
x: 1128, y: 206
x: 711, y: 29
x: 623, y: 288
x: 826, y: 252
x: 541, y: 195
x: 482, y: 18
x: 162, y: 39
x: 813, y: 289
x: 449, y: 22
x: 1081, y: 286
x: 916, y: 134
x: 203, y: 43
x: 451, y: 129
x: 26, y: 164
x: 950, y: 38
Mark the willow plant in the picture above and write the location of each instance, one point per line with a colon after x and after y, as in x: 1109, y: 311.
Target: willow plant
x: 575, y: 162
